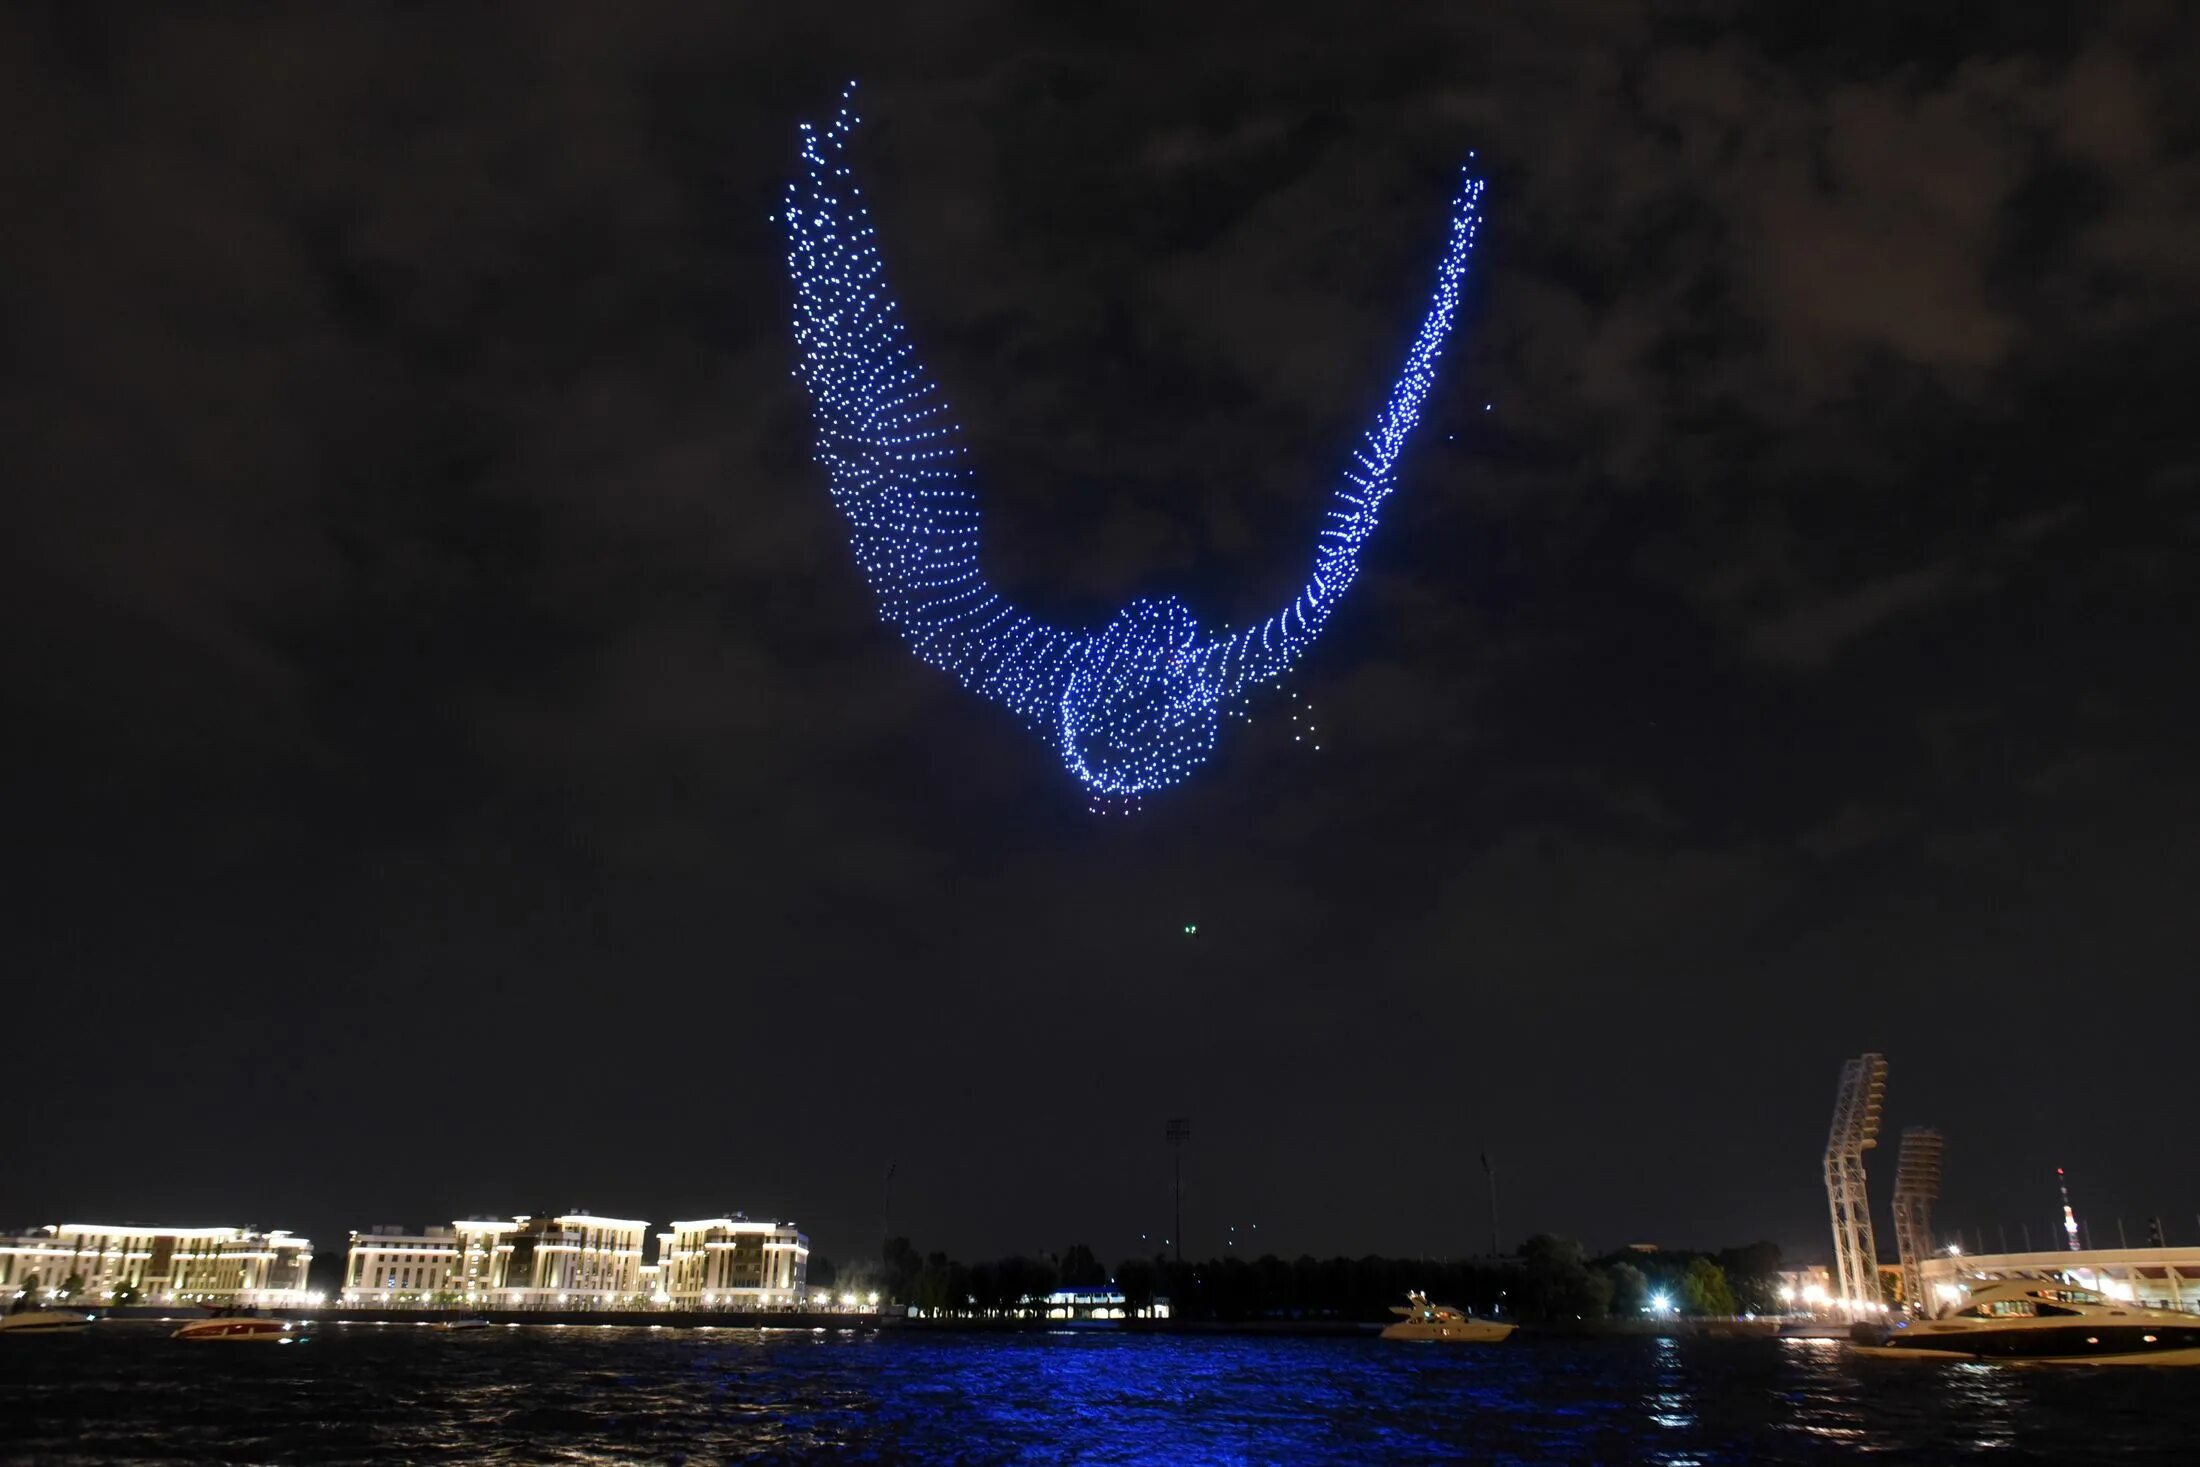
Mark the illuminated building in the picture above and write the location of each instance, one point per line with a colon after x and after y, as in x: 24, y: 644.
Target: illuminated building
x: 733, y: 1263
x: 461, y: 1264
x: 388, y: 1266
x: 484, y: 1246
x: 1092, y: 1303
x: 163, y: 1265
x: 578, y: 1261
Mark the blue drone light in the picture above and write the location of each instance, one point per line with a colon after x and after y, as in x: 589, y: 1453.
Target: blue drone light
x: 1131, y: 707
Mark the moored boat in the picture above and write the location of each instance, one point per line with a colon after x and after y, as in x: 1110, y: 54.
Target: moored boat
x: 44, y: 1322
x: 2039, y: 1322
x: 1426, y: 1321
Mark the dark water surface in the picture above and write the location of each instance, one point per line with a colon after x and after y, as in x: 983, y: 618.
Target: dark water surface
x: 127, y: 1393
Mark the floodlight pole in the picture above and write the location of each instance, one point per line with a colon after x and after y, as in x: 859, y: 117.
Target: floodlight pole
x: 1855, y: 1130
x: 1178, y: 1131
x: 1490, y: 1172
x: 1916, y: 1188
x: 886, y: 1212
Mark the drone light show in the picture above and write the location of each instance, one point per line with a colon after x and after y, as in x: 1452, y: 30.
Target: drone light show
x: 1132, y: 706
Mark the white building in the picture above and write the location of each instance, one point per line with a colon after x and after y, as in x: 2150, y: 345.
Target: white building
x: 1092, y: 1303
x: 578, y: 1261
x: 390, y: 1267
x: 464, y: 1263
x: 484, y: 1252
x: 732, y: 1263
x: 161, y: 1265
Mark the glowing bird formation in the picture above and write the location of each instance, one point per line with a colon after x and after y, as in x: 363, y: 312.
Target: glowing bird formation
x: 1133, y: 706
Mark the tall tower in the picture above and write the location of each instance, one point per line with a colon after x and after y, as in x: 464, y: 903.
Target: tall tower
x: 2070, y: 1217
x: 1916, y: 1188
x: 1855, y: 1131
x: 1178, y: 1131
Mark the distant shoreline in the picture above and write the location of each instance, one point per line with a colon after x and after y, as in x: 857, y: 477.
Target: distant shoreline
x: 816, y: 1322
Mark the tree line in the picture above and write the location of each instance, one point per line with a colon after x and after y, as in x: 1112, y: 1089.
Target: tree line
x: 1550, y: 1279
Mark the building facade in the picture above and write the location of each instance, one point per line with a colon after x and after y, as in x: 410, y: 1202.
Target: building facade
x: 394, y: 1268
x: 484, y: 1254
x: 578, y: 1261
x: 733, y: 1263
x: 1106, y: 1302
x: 160, y: 1265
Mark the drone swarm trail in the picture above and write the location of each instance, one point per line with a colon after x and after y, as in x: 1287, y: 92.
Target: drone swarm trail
x: 1132, y: 706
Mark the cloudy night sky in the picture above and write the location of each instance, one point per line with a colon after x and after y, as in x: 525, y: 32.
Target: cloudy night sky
x: 455, y: 765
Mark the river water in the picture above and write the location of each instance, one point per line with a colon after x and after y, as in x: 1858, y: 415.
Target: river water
x: 126, y: 1393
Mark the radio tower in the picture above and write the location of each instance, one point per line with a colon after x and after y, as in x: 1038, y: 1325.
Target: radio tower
x: 1855, y: 1131
x: 1916, y: 1188
x: 1178, y: 1131
x: 2070, y: 1218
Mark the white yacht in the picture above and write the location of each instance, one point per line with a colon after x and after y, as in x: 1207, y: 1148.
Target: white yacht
x: 1426, y: 1321
x: 44, y: 1322
x: 2039, y: 1322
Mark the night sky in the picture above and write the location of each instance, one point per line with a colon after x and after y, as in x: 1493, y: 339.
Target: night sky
x: 454, y: 765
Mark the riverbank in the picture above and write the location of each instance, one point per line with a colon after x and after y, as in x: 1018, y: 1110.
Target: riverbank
x: 786, y: 1319
x: 833, y: 1321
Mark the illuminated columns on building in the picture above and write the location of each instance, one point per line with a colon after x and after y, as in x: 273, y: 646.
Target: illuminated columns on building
x: 576, y: 1261
x: 390, y: 1266
x: 580, y: 1261
x: 733, y: 1263
x: 464, y: 1263
x: 161, y: 1265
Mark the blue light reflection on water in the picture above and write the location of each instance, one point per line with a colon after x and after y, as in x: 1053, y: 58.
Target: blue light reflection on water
x: 587, y: 1395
